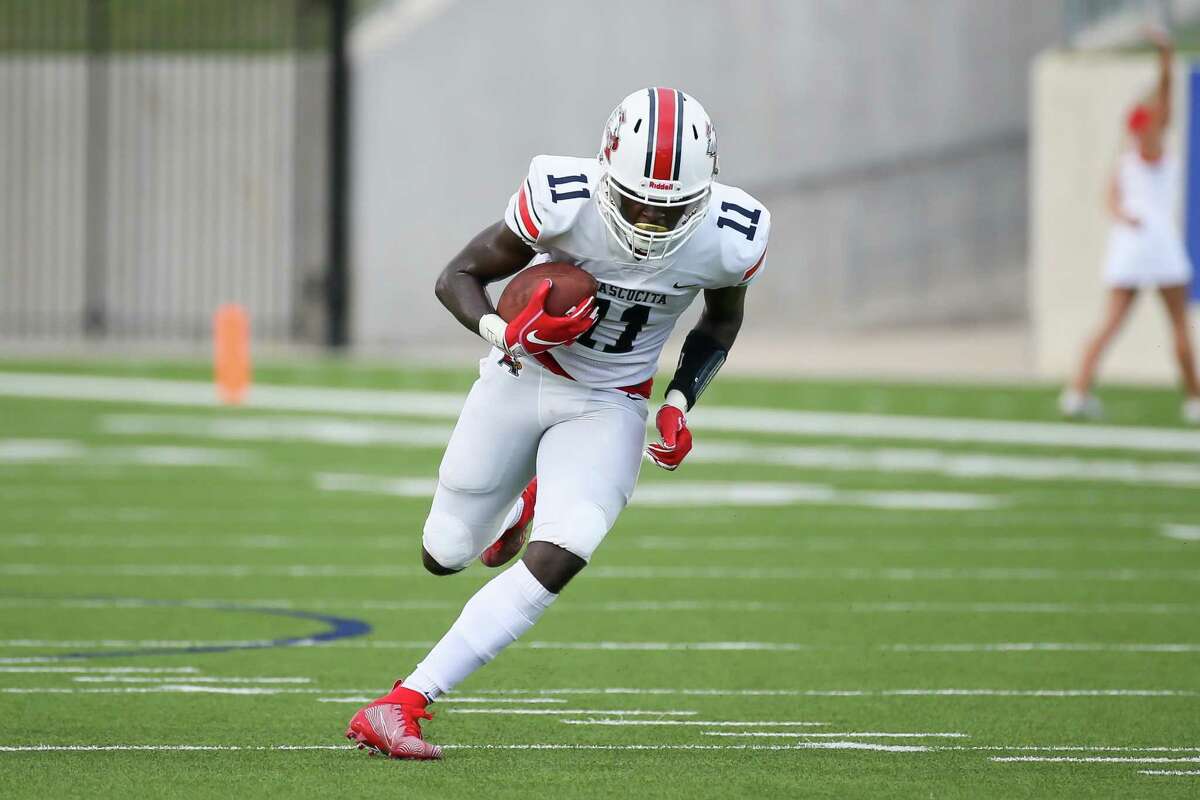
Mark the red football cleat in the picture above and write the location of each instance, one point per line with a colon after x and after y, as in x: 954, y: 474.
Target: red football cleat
x: 391, y: 726
x: 512, y: 540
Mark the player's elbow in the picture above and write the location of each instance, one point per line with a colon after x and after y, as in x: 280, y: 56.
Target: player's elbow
x: 441, y: 288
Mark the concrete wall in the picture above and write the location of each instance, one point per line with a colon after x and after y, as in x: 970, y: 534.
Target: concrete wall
x: 887, y: 137
x: 1079, y: 105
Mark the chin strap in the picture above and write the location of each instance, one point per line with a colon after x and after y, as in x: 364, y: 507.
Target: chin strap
x: 699, y: 361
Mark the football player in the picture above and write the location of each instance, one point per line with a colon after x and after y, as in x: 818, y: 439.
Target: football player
x: 564, y: 398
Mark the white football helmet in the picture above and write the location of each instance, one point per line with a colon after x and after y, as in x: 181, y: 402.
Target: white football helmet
x: 659, y: 156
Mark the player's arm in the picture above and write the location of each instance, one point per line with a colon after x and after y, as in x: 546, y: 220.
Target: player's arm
x: 704, y: 351
x: 1166, y: 55
x: 496, y: 253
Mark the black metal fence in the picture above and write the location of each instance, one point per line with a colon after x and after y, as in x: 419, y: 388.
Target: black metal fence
x: 161, y: 157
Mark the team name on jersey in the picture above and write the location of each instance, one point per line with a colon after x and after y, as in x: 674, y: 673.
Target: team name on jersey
x: 633, y: 295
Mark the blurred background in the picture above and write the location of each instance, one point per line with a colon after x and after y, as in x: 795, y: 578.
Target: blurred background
x: 934, y: 167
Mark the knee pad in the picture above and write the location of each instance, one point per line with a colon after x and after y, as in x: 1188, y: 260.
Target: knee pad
x: 579, y: 530
x: 448, y: 540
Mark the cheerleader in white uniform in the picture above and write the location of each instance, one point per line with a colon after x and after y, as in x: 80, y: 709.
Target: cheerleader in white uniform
x: 1145, y: 249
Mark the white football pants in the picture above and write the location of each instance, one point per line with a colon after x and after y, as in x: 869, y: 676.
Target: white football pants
x: 584, y: 445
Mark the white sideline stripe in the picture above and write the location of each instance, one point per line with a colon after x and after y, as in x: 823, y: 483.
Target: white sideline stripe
x: 703, y: 493
x: 1097, y: 759
x: 848, y: 734
x: 1026, y: 647
x: 618, y: 573
x: 446, y: 405
x: 694, y: 722
x: 1183, y: 533
x: 118, y: 670
x: 189, y: 679
x: 627, y: 606
x: 728, y: 692
x: 19, y: 451
x: 359, y: 433
x: 1169, y: 772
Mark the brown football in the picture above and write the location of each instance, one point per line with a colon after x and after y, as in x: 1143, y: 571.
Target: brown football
x: 571, y: 285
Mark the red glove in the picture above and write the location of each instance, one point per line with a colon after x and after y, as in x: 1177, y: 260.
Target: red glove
x: 676, y: 440
x: 535, y: 331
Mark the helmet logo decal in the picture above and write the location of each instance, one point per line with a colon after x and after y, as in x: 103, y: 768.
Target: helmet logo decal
x: 612, y: 134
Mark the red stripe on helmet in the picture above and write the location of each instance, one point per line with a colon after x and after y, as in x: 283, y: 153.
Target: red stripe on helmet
x: 526, y: 217
x: 664, y: 136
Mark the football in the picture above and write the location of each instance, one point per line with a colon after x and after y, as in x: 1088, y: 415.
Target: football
x: 571, y: 285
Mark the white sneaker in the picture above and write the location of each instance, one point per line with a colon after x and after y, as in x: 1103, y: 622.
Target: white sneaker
x: 1077, y: 405
x: 1191, y: 411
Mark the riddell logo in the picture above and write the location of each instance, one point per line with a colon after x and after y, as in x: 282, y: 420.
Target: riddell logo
x: 661, y: 185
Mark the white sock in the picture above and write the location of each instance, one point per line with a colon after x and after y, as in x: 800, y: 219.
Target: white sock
x: 513, y: 515
x: 494, y: 618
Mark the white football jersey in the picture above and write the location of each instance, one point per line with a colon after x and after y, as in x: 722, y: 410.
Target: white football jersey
x: 554, y: 211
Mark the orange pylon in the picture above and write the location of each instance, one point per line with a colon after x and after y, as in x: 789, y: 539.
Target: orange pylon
x: 231, y: 353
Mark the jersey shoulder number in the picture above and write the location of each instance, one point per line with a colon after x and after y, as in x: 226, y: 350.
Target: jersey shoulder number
x: 550, y: 197
x: 743, y: 226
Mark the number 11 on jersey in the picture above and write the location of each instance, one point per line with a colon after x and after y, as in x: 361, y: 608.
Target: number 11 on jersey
x: 635, y: 318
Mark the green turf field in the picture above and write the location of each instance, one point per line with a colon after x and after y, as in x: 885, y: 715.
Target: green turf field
x: 934, y: 591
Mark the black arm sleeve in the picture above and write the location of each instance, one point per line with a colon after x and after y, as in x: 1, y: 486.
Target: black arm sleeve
x: 699, y: 360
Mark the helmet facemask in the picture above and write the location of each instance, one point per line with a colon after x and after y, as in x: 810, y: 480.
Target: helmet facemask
x: 648, y: 228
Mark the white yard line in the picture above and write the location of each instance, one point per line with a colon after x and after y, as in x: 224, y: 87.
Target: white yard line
x: 951, y: 464
x: 367, y: 698
x: 446, y: 405
x: 703, y: 493
x: 947, y: 692
x: 1182, y: 533
x: 1096, y: 759
x: 835, y: 745
x: 574, y: 712
x: 84, y: 670
x: 164, y: 541
x: 1061, y: 647
x: 604, y: 721
x: 632, y: 646
x: 359, y: 433
x: 48, y: 748
x: 625, y: 606
x: 19, y: 451
x: 1169, y: 772
x: 831, y: 735
x: 318, y: 430
x: 309, y: 571
x: 189, y: 679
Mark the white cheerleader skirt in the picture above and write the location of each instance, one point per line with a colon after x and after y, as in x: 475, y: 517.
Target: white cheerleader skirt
x: 1146, y: 257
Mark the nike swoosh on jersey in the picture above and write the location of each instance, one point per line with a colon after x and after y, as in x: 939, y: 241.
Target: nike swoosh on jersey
x: 686, y: 285
x: 533, y: 337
